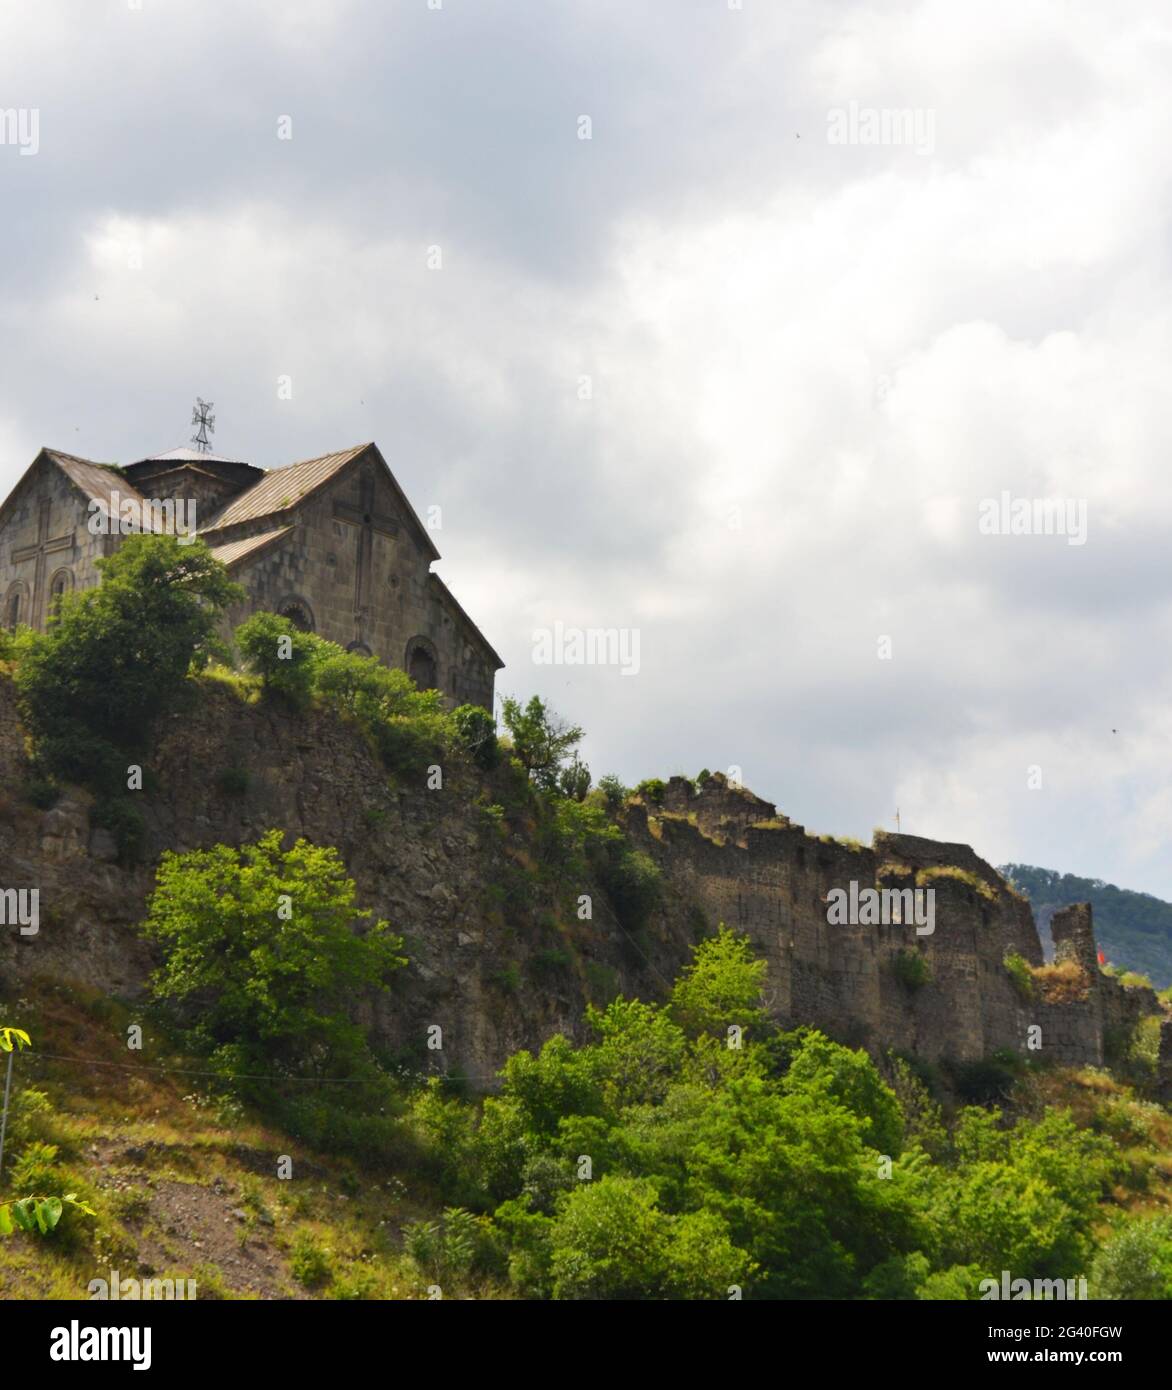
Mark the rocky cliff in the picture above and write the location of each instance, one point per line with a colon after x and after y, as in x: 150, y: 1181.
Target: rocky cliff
x: 499, y: 958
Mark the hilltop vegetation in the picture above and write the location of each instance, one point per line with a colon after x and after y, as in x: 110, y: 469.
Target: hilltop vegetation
x: 689, y: 1151
x: 1134, y: 930
x: 263, y: 1142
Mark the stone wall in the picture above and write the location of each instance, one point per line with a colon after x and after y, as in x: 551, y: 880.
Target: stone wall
x: 68, y: 514
x: 316, y: 566
x: 499, y: 964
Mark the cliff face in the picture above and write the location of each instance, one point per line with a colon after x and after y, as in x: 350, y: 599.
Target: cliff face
x: 498, y: 956
x: 729, y: 852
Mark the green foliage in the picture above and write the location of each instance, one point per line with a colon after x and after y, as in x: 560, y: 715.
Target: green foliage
x: 116, y: 656
x: 451, y: 1250
x: 282, y: 655
x: 610, y: 1240
x: 633, y: 883
x: 721, y: 987
x: 476, y: 730
x: 574, y: 779
x: 542, y: 742
x: 122, y: 818
x: 35, y: 1167
x: 986, y: 1079
x: 232, y: 781
x: 508, y: 978
x: 41, y: 792
x: 1135, y: 927
x: 925, y: 878
x: 263, y: 957
x: 850, y: 1079
x: 652, y: 789
x: 1020, y: 976
x: 613, y: 791
x: 309, y: 1262
x: 911, y: 969
x: 1135, y: 1262
x: 39, y: 1215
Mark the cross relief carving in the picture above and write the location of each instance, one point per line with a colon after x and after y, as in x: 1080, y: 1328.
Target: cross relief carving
x: 367, y: 521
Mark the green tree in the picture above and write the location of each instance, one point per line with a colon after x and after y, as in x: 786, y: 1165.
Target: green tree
x: 610, y: 1241
x: 265, y: 951
x: 282, y: 655
x: 115, y: 657
x: 854, y: 1081
x: 541, y: 741
x: 1136, y: 1262
x: 476, y: 730
x: 721, y: 987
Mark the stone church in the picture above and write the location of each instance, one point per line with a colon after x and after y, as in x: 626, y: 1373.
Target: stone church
x: 331, y: 543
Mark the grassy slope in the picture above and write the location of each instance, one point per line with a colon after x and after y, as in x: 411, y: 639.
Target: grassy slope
x: 183, y: 1188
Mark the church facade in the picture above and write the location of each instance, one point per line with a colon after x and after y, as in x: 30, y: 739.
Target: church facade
x: 332, y: 543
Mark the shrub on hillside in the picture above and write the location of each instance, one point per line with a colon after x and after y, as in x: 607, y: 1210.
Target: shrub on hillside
x: 476, y: 730
x: 264, y: 953
x: 116, y: 656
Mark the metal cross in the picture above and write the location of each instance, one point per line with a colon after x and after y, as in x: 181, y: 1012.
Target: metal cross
x: 369, y: 521
x: 39, y: 552
x: 200, y: 417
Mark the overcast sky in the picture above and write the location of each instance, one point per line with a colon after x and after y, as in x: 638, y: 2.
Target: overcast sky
x: 810, y: 355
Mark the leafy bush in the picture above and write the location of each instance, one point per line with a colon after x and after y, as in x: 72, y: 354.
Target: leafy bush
x: 282, y: 655
x: 652, y: 789
x: 614, y: 793
x: 722, y: 986
x: 116, y: 656
x: 41, y: 792
x: 309, y: 1261
x: 125, y: 822
x: 633, y: 883
x: 476, y: 730
x: 1018, y: 969
x: 262, y: 955
x: 1135, y: 1262
x: 233, y: 781
x: 911, y: 969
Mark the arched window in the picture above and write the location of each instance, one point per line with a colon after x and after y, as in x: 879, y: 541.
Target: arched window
x: 61, y: 583
x: 422, y: 666
x: 14, y: 606
x: 359, y: 649
x: 298, y: 612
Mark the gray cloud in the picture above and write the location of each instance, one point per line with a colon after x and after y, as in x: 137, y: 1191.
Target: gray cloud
x: 808, y: 362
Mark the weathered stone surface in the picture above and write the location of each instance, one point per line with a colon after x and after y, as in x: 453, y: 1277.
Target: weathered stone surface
x: 444, y: 875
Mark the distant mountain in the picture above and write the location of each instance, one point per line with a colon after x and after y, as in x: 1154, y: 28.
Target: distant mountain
x: 1134, y: 930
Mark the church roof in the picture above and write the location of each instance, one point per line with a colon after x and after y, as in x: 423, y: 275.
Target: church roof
x: 97, y: 480
x: 235, y: 551
x: 282, y: 488
x: 185, y: 455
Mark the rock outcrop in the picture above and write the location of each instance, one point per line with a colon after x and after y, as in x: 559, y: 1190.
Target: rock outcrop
x: 497, y: 957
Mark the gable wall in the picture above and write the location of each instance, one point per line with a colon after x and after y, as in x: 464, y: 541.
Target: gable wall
x: 68, y: 510
x: 317, y: 565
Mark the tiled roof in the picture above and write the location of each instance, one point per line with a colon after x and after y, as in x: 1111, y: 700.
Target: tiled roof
x: 282, y: 488
x: 235, y: 551
x: 96, y: 480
